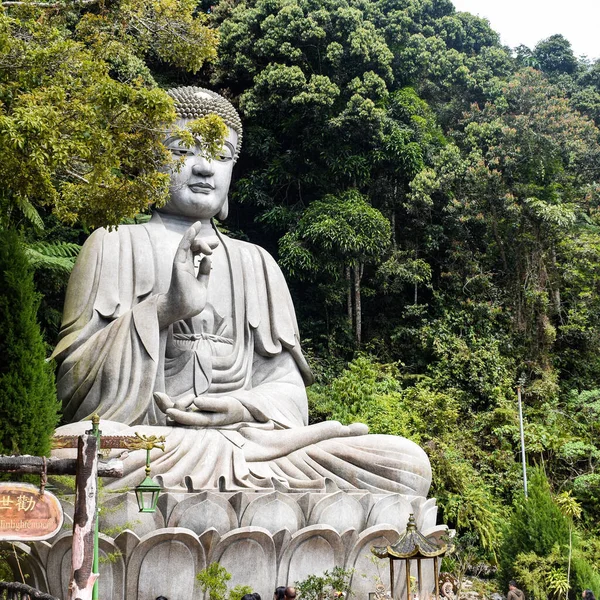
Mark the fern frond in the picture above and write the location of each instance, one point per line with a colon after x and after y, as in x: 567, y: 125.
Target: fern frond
x: 55, y: 256
x: 29, y: 211
x: 57, y: 249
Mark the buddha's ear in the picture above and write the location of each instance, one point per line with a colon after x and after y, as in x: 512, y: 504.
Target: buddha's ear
x: 222, y: 214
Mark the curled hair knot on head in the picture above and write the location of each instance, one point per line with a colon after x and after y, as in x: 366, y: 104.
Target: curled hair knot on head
x: 195, y: 102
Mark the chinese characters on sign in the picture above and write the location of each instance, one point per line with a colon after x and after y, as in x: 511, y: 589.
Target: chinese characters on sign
x: 23, y: 502
x: 28, y: 515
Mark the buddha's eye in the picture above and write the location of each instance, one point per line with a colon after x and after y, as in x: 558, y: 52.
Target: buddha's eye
x: 224, y: 155
x: 180, y: 151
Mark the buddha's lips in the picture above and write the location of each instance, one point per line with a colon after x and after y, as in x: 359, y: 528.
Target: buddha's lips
x: 202, y: 188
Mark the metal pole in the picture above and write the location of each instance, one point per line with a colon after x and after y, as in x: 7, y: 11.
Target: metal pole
x: 420, y: 575
x: 392, y: 577
x: 437, y: 578
x: 407, y: 579
x: 522, y: 440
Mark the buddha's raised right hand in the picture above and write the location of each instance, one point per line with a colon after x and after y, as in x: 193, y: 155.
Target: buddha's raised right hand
x: 187, y: 291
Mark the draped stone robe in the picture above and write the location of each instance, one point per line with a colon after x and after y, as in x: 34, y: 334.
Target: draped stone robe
x: 113, y: 356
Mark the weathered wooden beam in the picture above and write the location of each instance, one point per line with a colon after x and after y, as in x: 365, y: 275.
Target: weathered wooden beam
x: 55, y: 466
x: 107, y: 441
x: 84, y: 519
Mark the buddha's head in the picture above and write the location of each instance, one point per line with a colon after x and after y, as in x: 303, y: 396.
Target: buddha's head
x: 199, y: 186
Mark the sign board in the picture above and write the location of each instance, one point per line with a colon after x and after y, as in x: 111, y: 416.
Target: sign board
x: 26, y: 515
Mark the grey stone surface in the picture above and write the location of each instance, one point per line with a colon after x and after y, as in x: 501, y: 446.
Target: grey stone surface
x: 362, y: 560
x: 30, y: 562
x: 315, y: 549
x: 202, y: 511
x: 340, y: 511
x: 172, y: 328
x: 393, y: 510
x: 248, y: 553
x: 126, y: 542
x: 165, y: 561
x: 274, y: 512
x: 119, y: 512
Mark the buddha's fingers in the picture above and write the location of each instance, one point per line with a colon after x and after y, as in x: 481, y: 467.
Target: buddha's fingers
x: 355, y: 429
x: 201, y: 245
x: 184, y: 403
x: 163, y: 401
x: 204, y: 270
x: 210, y: 403
x: 192, y: 418
x: 185, y: 244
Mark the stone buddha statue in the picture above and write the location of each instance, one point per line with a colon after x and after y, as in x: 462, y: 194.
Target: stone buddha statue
x: 172, y: 328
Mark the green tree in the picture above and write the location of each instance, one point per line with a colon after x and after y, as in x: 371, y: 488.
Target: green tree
x: 337, y: 236
x: 81, y: 118
x: 554, y: 55
x: 27, y: 392
x: 536, y: 525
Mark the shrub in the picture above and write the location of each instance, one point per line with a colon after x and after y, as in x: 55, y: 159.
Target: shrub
x: 29, y: 408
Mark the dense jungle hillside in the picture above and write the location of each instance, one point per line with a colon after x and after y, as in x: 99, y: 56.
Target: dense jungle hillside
x: 432, y: 197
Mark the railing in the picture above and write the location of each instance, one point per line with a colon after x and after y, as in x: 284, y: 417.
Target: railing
x: 21, y: 591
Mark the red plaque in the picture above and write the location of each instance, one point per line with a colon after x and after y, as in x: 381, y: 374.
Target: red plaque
x: 26, y: 515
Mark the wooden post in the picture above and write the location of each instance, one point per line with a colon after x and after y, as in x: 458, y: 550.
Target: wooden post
x: 84, y: 518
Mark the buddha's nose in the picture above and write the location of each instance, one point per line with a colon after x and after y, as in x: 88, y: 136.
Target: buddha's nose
x: 203, y: 166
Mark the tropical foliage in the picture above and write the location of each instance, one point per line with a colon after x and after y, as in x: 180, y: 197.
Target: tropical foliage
x: 432, y: 196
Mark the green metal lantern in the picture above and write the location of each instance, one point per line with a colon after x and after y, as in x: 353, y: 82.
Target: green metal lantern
x: 147, y: 491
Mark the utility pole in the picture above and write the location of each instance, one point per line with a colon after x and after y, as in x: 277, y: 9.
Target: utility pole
x: 522, y: 438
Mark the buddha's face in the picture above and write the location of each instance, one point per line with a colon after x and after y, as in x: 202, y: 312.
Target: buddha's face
x: 198, y: 189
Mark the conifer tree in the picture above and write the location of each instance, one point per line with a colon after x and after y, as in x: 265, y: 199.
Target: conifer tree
x: 28, y: 404
x: 536, y: 525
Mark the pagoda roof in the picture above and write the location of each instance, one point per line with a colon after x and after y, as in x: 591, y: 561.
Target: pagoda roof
x: 411, y: 544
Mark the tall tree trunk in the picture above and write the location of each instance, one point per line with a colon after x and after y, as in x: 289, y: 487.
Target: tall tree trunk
x: 349, y: 296
x: 393, y: 224
x: 416, y: 285
x: 358, y: 272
